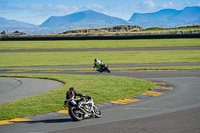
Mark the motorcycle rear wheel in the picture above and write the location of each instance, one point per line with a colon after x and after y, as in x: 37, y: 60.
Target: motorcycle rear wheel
x: 75, y: 114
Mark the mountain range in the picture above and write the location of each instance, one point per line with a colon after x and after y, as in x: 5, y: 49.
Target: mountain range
x: 167, y: 17
x: 84, y: 19
x: 13, y: 23
x: 90, y: 19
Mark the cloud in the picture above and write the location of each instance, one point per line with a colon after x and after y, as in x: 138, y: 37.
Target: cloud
x: 93, y: 6
x: 149, y: 4
x: 63, y: 9
x: 168, y: 5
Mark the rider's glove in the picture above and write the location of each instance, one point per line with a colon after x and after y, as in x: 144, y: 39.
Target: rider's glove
x: 88, y: 97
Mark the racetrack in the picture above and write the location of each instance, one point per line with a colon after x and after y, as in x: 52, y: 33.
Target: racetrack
x: 176, y: 107
x: 176, y: 111
x: 16, y: 88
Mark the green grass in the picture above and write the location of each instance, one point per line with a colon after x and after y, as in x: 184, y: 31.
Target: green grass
x: 92, y: 69
x: 157, y: 68
x: 101, y: 88
x: 80, y: 44
x: 86, y: 58
x: 189, y: 28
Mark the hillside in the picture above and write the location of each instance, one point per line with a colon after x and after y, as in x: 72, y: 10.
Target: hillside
x: 167, y: 18
x: 84, y: 19
x: 5, y: 23
x: 117, y: 29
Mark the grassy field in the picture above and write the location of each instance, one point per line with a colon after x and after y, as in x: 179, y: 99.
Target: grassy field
x: 12, y: 45
x: 188, y: 28
x: 101, y: 88
x: 86, y: 58
x: 157, y: 68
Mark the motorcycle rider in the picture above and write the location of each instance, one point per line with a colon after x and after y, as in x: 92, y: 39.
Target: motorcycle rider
x: 71, y: 96
x: 98, y: 64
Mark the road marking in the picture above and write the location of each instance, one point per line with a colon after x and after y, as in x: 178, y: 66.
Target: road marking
x: 165, y: 87
x: 125, y: 101
x: 63, y: 111
x: 20, y: 120
x: 161, y: 83
x: 3, y: 122
x: 153, y: 93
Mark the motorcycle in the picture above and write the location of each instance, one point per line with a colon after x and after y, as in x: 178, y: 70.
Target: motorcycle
x: 104, y: 68
x: 82, y: 108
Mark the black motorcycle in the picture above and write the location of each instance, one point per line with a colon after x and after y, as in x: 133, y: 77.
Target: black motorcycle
x: 82, y: 108
x: 104, y: 68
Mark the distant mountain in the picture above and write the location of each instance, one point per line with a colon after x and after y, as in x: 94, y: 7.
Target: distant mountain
x: 5, y: 23
x: 90, y: 19
x: 167, y: 18
x: 84, y: 19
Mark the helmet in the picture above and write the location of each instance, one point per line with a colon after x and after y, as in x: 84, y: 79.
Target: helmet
x: 95, y: 60
x: 72, y: 89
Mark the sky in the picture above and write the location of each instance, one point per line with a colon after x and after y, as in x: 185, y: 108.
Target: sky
x: 37, y: 11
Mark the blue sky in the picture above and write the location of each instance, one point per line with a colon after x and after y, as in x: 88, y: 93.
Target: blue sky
x: 37, y: 11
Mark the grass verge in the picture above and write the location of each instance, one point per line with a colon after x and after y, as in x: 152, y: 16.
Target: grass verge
x: 80, y: 44
x: 157, y: 68
x: 101, y: 88
x: 86, y: 58
x: 92, y: 69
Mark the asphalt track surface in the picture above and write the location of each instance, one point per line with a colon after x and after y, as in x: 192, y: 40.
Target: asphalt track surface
x: 175, y: 112
x: 16, y: 88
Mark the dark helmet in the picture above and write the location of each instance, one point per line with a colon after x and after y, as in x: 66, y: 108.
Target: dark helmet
x: 72, y: 89
x: 95, y: 60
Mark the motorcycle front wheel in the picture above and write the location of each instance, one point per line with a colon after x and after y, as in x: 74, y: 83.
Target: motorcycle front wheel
x: 75, y: 114
x: 107, y: 70
x: 97, y: 112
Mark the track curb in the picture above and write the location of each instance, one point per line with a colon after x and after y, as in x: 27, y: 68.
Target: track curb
x: 161, y: 89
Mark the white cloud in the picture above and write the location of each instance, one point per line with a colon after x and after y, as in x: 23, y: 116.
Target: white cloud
x: 168, y: 5
x: 149, y: 4
x: 63, y: 9
x: 66, y: 8
x: 94, y: 6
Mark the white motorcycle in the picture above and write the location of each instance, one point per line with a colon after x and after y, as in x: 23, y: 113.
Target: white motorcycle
x: 82, y: 108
